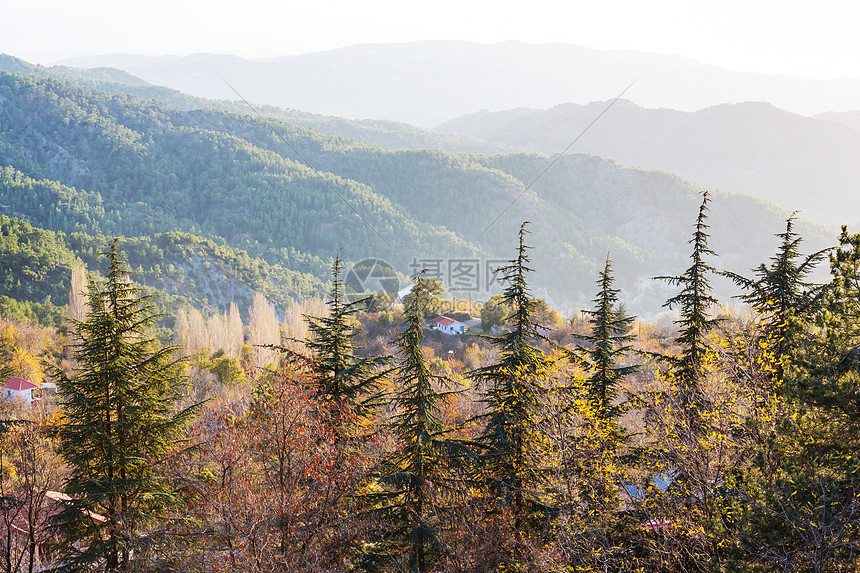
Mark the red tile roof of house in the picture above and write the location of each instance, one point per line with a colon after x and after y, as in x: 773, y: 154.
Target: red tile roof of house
x: 51, y: 505
x: 19, y: 384
x: 444, y: 321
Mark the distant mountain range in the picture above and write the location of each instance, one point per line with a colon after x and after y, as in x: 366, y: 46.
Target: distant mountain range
x: 804, y: 163
x: 385, y: 133
x: 849, y: 118
x: 808, y: 164
x: 103, y: 162
x: 427, y: 83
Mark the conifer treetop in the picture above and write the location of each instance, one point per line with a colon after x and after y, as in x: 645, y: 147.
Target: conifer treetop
x: 348, y: 381
x: 695, y: 303
x: 609, y: 338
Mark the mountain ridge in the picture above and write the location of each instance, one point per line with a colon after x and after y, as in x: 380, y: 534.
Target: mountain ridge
x: 753, y: 148
x: 427, y: 83
x: 141, y: 168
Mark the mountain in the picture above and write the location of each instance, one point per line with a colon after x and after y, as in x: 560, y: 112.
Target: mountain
x: 83, y: 161
x: 756, y: 149
x: 36, y: 265
x: 849, y: 118
x: 385, y: 133
x: 427, y: 83
x: 750, y: 148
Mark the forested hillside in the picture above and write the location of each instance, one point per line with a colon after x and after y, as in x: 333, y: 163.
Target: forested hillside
x: 78, y: 160
x: 753, y: 148
x: 385, y: 133
x: 184, y: 270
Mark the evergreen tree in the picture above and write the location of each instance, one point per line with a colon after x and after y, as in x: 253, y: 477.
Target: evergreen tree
x: 695, y: 303
x: 781, y: 297
x: 690, y: 406
x: 348, y: 382
x: 825, y: 371
x: 610, y: 335
x: 431, y: 301
x: 797, y: 500
x: 513, y: 392
x: 119, y: 423
x: 414, y: 478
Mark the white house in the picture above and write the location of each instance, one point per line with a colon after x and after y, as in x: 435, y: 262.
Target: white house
x: 21, y: 390
x: 448, y: 325
x: 401, y: 294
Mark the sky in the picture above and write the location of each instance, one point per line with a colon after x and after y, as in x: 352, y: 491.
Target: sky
x: 807, y: 39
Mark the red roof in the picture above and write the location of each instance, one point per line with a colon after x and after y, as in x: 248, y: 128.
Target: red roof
x: 19, y: 384
x: 51, y: 505
x: 444, y: 321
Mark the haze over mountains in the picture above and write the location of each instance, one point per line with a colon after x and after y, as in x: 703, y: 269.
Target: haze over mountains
x: 427, y: 83
x: 803, y: 163
x: 808, y: 164
x: 87, y: 161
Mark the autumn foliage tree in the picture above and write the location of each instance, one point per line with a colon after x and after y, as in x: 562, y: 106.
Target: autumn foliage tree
x: 269, y: 484
x: 307, y: 474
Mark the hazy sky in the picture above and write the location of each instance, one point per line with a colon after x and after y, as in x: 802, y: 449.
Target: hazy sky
x: 812, y: 39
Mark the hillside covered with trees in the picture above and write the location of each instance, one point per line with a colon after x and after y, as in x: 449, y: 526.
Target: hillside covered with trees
x: 82, y: 161
x: 751, y: 147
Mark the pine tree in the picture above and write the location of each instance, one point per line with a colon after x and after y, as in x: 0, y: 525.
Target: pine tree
x: 687, y: 396
x: 797, y: 501
x: 513, y: 392
x: 431, y: 302
x: 414, y: 478
x: 348, y: 382
x: 119, y: 423
x: 610, y: 333
x: 781, y: 297
x: 695, y: 303
x: 826, y: 368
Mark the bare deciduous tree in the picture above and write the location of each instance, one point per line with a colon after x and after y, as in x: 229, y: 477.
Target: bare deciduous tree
x: 263, y: 330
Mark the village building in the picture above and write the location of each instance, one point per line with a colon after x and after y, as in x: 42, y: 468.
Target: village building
x: 20, y: 390
x: 402, y: 293
x: 448, y: 325
x: 23, y: 529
